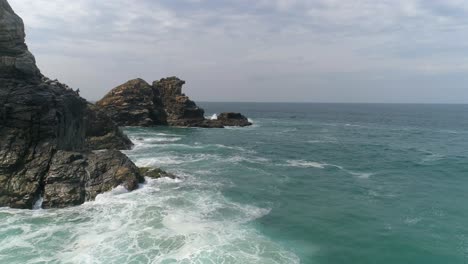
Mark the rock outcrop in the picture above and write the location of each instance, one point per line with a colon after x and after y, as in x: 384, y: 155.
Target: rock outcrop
x: 44, y: 148
x: 156, y: 173
x: 133, y: 104
x: 15, y: 59
x: 102, y: 132
x: 180, y: 110
x: 232, y: 119
x: 136, y: 103
x: 75, y: 177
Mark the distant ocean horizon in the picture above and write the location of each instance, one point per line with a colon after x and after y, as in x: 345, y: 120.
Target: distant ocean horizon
x: 311, y: 102
x: 313, y: 183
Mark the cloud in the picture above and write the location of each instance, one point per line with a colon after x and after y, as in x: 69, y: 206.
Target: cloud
x: 223, y: 45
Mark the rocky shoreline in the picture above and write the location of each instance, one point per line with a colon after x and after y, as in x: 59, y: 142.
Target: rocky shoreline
x: 57, y: 148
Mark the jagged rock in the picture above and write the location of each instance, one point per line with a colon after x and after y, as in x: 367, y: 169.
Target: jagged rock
x: 133, y: 104
x: 102, y: 132
x: 15, y: 59
x: 233, y: 119
x: 136, y: 103
x: 74, y: 177
x: 43, y: 134
x: 180, y: 110
x: 156, y: 173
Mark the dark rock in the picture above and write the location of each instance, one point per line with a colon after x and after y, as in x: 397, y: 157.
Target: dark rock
x: 102, y: 132
x: 133, y: 104
x: 44, y: 149
x: 74, y: 178
x: 136, y: 103
x: 156, y: 173
x: 15, y: 59
x: 180, y: 110
x: 233, y: 119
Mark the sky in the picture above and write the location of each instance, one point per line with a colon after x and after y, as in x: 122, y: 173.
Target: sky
x: 390, y: 51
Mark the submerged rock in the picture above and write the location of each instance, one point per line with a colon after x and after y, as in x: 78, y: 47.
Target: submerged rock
x: 232, y: 119
x: 47, y: 131
x: 136, y: 103
x: 155, y: 173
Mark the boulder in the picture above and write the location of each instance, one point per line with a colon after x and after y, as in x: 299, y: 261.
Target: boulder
x: 232, y: 119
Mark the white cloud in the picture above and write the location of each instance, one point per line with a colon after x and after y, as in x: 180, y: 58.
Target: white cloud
x: 237, y: 41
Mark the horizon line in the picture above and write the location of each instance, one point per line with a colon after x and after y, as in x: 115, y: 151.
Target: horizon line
x: 334, y: 102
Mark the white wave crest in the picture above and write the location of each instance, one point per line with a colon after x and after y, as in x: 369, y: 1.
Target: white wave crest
x: 306, y: 164
x: 162, y: 222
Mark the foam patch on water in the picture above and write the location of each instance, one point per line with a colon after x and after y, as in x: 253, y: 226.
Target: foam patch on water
x: 163, y: 222
x: 361, y: 175
x: 140, y: 142
x: 412, y: 220
x: 174, y: 159
x: 38, y: 204
x: 306, y: 164
x: 239, y: 158
x: 319, y: 165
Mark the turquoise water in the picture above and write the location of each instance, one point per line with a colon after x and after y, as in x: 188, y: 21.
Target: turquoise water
x: 307, y: 183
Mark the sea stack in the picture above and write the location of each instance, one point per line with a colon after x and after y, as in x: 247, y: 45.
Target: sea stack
x: 46, y: 136
x: 137, y: 103
x: 180, y: 110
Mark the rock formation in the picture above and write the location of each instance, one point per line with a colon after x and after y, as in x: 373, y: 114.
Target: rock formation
x: 15, y: 59
x: 43, y: 134
x: 180, y: 110
x: 133, y: 104
x: 232, y: 119
x: 76, y: 177
x: 102, y: 132
x: 136, y: 103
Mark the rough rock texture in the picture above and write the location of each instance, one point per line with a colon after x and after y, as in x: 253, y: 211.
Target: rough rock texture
x: 232, y: 119
x: 156, y: 173
x: 180, y: 110
x: 43, y: 128
x: 133, y: 104
x: 15, y: 59
x: 102, y: 132
x: 74, y: 177
x: 136, y: 103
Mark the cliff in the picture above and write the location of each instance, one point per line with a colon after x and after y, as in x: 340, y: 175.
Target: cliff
x: 48, y: 132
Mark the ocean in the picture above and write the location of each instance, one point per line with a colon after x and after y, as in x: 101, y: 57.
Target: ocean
x: 307, y: 183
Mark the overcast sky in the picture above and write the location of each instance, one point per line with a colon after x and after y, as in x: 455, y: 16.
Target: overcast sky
x: 264, y: 50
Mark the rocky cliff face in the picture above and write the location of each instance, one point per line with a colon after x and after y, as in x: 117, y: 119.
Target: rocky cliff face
x: 43, y: 134
x: 136, y: 103
x: 180, y: 110
x: 15, y: 59
x: 102, y: 132
x: 133, y: 104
